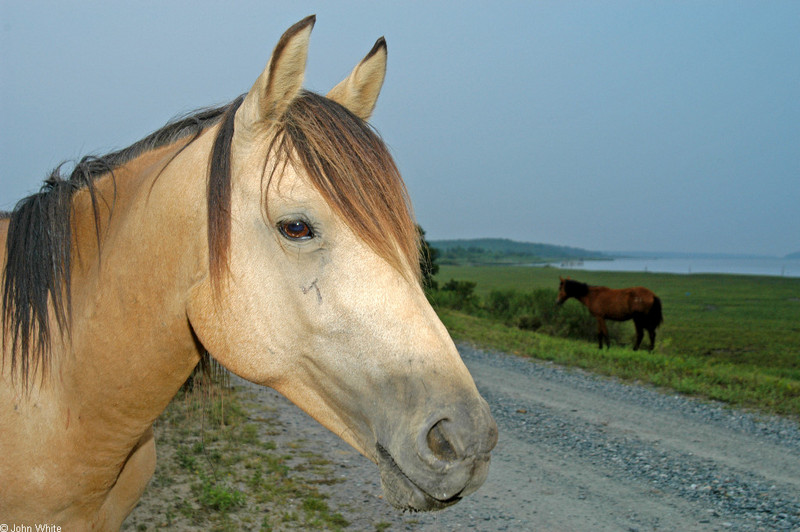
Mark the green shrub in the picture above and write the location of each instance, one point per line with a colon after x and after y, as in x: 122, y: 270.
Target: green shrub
x: 457, y: 295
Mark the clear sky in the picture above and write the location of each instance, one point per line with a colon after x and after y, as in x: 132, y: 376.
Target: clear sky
x: 637, y: 125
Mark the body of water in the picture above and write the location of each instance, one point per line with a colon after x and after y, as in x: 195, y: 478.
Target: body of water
x: 739, y: 266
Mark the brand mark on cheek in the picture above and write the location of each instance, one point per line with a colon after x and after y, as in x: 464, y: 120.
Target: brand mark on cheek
x: 313, y: 285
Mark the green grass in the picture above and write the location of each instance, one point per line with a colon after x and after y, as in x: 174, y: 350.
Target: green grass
x: 725, y: 337
x: 218, y: 470
x: 217, y: 496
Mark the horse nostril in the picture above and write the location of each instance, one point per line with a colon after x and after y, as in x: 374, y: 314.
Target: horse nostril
x: 439, y: 444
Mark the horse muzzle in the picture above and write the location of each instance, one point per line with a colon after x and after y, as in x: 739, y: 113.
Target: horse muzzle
x: 448, y: 461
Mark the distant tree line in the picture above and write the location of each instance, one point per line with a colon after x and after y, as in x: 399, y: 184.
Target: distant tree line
x: 473, y: 254
x: 505, y: 251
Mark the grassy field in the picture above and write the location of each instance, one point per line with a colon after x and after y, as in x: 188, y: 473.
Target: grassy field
x: 725, y: 337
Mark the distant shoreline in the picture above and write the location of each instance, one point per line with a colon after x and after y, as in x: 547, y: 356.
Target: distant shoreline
x: 689, y: 255
x: 688, y: 265
x: 506, y: 252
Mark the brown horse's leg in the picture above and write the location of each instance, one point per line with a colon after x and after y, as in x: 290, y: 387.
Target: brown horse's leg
x: 652, y: 333
x: 639, y: 334
x: 602, y: 333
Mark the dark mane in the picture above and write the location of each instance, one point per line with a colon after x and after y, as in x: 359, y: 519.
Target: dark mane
x: 38, y: 245
x: 575, y: 289
x: 343, y: 157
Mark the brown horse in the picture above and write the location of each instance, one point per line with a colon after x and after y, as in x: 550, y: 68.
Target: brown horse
x: 637, y: 303
x: 276, y: 234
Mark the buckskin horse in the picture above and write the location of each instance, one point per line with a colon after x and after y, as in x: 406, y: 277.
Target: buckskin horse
x: 276, y: 234
x: 637, y: 303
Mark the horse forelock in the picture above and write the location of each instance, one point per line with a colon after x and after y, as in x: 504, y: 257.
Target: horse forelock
x: 350, y: 166
x: 345, y: 160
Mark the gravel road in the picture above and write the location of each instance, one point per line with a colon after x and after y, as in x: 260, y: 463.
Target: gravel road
x: 579, y: 452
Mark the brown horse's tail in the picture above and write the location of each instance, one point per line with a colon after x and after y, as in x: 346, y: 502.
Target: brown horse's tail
x: 655, y: 316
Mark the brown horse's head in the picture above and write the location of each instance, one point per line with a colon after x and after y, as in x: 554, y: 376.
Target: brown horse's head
x: 562, y: 291
x: 570, y: 288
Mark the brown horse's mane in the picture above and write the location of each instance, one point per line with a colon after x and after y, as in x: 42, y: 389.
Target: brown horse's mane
x: 575, y: 289
x: 344, y: 158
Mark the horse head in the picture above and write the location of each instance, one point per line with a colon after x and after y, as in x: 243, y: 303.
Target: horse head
x: 312, y: 283
x: 562, y: 291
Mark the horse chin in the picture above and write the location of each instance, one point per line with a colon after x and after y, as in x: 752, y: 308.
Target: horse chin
x: 401, y: 492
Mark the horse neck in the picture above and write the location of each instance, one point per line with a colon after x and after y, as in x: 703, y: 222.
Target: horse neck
x: 131, y: 346
x: 592, y: 293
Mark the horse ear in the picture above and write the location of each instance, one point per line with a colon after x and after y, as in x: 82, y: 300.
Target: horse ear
x: 359, y: 91
x: 281, y: 80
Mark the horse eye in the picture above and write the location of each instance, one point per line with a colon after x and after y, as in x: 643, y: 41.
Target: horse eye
x: 296, y: 230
